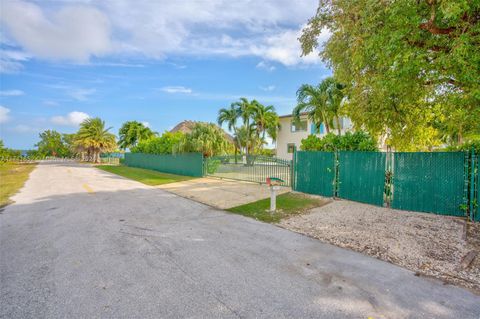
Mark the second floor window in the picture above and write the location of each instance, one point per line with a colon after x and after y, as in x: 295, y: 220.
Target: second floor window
x: 298, y: 126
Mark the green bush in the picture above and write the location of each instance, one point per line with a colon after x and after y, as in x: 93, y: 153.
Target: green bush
x: 165, y: 144
x: 357, y: 141
x: 212, y: 165
x: 467, y: 146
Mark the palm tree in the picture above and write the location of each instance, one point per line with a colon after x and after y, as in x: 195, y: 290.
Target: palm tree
x: 247, y: 138
x: 313, y: 101
x: 230, y: 116
x: 335, y: 97
x: 93, y: 138
x: 246, y: 109
x: 133, y: 132
x: 322, y: 103
x: 207, y: 138
x: 266, y: 120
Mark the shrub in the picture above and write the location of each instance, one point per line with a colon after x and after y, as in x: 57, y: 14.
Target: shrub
x: 357, y: 141
x: 165, y: 144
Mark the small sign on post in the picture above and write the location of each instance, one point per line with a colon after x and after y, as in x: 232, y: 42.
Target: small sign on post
x: 274, y: 184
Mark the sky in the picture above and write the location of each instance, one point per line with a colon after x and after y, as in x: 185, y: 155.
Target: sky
x: 154, y: 61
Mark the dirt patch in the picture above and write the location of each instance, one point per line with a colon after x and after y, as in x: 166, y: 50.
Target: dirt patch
x: 221, y: 193
x: 430, y: 245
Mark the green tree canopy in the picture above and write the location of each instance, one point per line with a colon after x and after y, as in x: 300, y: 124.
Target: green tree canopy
x: 133, y: 132
x: 357, y: 141
x: 322, y: 103
x: 206, y: 138
x: 94, y: 138
x: 411, y: 68
x: 258, y: 121
x: 53, y: 143
x: 167, y: 143
x: 7, y: 152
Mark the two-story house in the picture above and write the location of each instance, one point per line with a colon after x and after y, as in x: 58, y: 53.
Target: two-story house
x: 291, y: 133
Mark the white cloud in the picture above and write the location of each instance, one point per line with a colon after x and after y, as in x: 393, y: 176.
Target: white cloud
x: 176, y: 89
x: 11, y: 93
x: 71, y: 119
x: 265, y: 66
x: 22, y: 128
x: 285, y: 48
x: 156, y: 29
x: 4, y: 117
x: 146, y: 124
x: 268, y: 88
x: 10, y: 60
x: 73, y: 32
x: 81, y: 94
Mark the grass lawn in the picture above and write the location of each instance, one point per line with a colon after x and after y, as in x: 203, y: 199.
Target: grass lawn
x: 145, y: 176
x: 12, y: 178
x: 287, y: 204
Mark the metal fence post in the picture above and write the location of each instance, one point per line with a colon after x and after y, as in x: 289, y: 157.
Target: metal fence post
x: 293, y: 168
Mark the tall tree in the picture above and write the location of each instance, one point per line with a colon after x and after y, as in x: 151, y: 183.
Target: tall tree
x: 246, y: 109
x: 207, y: 138
x: 230, y: 116
x: 411, y: 67
x: 93, y: 138
x: 133, y: 132
x: 262, y: 117
x: 52, y: 143
x: 314, y: 101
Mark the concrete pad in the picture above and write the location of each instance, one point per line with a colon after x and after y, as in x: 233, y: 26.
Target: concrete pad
x: 221, y: 193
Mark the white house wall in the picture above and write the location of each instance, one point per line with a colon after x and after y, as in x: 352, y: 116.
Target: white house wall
x: 285, y: 136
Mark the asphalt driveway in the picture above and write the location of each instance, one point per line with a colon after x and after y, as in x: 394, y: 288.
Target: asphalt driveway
x: 82, y: 243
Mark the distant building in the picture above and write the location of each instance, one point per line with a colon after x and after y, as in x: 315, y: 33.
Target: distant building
x: 291, y: 133
x: 187, y: 126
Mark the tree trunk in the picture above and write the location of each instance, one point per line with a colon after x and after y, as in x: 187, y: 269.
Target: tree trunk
x: 247, y: 139
x: 337, y: 119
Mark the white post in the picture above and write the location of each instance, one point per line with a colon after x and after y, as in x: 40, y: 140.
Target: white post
x: 273, y: 199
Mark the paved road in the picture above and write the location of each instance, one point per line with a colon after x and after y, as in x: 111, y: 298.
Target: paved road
x: 82, y: 243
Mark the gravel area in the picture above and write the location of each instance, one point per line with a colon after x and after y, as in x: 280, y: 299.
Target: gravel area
x: 430, y: 245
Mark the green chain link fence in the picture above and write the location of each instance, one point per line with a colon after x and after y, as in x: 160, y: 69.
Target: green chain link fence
x: 430, y: 182
x: 314, y: 172
x: 189, y: 164
x: 361, y: 176
x: 476, y: 201
x: 435, y: 182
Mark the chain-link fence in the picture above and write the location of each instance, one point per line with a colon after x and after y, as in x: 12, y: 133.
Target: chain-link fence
x: 437, y: 182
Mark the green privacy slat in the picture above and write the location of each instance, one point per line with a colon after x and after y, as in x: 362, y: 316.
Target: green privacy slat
x: 315, y: 172
x: 429, y: 182
x: 189, y: 164
x: 477, y: 185
x: 361, y: 176
x: 255, y: 168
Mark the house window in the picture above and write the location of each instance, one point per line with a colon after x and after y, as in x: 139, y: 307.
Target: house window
x: 298, y: 126
x: 290, y: 148
x: 317, y: 130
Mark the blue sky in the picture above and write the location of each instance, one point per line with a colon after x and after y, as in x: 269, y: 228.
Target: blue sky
x: 159, y: 62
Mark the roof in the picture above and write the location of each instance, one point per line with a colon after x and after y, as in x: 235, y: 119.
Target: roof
x: 290, y: 115
x: 184, y: 126
x: 187, y: 127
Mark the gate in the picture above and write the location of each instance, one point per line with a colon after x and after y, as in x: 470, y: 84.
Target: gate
x: 254, y: 168
x: 315, y: 172
x: 361, y: 176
